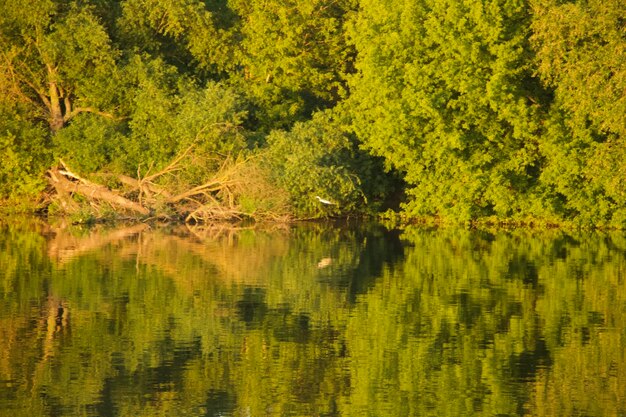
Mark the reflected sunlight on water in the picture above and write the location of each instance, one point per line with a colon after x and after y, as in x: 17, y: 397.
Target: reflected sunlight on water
x: 313, y: 320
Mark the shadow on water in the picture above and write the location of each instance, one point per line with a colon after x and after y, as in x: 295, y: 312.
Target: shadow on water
x: 315, y: 320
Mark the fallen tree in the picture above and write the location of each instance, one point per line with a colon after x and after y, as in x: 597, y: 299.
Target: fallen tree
x: 237, y: 189
x: 66, y: 184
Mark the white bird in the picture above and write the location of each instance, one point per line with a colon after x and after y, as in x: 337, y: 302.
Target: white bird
x: 324, y: 201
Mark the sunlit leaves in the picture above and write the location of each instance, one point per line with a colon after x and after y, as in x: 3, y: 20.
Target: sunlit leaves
x: 496, y: 110
x: 442, y: 95
x: 316, y: 159
x: 25, y: 154
x: 581, y: 54
x: 293, y: 56
x: 182, y: 31
x: 58, y: 57
x: 581, y: 49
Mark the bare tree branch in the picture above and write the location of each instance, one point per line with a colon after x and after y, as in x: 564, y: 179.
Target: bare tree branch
x: 78, y: 110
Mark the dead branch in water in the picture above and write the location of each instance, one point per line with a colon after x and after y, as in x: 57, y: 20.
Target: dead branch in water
x: 220, y: 197
x: 60, y: 179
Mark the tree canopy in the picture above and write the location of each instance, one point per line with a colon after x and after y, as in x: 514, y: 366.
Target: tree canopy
x: 497, y: 110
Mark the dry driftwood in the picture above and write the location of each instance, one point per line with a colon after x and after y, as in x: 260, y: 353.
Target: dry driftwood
x: 217, y: 199
x: 67, y: 183
x: 64, y: 198
x: 147, y: 188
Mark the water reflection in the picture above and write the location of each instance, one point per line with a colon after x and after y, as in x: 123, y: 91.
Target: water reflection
x: 314, y: 320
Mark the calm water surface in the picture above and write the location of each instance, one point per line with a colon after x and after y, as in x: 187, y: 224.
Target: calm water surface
x: 314, y: 320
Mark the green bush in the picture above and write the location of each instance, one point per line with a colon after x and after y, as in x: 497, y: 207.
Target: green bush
x: 25, y: 155
x: 170, y: 113
x: 318, y: 158
x: 90, y: 143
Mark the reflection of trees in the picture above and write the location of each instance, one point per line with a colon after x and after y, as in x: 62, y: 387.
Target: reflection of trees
x: 138, y: 297
x: 166, y: 322
x: 472, y: 335
x: 65, y: 246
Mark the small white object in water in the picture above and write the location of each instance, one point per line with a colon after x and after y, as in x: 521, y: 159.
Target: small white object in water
x: 324, y: 201
x: 324, y: 262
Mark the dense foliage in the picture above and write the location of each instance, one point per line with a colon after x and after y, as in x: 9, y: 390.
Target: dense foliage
x: 445, y: 93
x: 498, y: 110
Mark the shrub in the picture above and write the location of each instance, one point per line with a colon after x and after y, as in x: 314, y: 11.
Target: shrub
x: 318, y: 158
x: 25, y: 155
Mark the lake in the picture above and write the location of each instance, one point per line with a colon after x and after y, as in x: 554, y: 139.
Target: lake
x: 310, y: 320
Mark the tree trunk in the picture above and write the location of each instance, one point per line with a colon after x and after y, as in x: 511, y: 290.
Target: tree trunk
x: 92, y: 191
x: 56, y: 111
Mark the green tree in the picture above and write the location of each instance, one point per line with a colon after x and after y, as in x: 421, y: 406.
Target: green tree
x: 171, y: 113
x: 581, y: 55
x: 167, y: 114
x: 291, y: 56
x: 25, y: 154
x: 190, y: 35
x: 319, y: 158
x: 445, y: 93
x: 581, y: 51
x: 57, y: 59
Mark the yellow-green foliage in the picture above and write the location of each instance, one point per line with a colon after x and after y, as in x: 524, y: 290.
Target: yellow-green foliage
x: 581, y: 54
x: 445, y: 93
x: 498, y: 110
x: 319, y: 159
x: 24, y: 156
x: 292, y: 56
